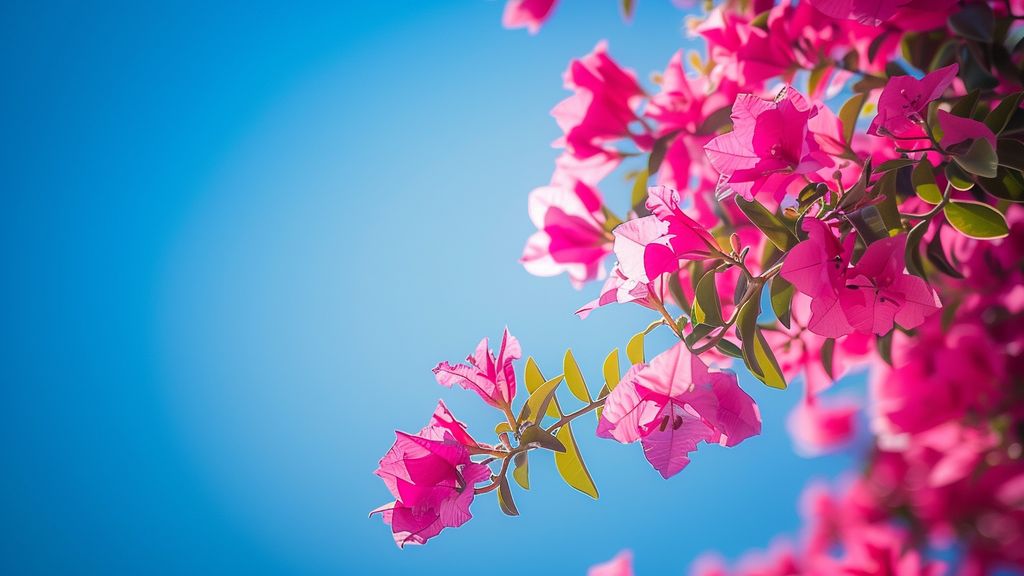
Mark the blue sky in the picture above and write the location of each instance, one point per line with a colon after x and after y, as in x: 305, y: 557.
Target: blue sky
x: 236, y: 238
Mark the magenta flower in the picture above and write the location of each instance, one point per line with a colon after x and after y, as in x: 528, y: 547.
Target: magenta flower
x: 529, y: 14
x: 431, y: 476
x: 872, y: 12
x: 818, y: 428
x: 956, y: 130
x: 674, y: 403
x: 769, y: 137
x: 570, y: 233
x: 684, y: 239
x: 493, y: 379
x: 602, y: 107
x: 904, y: 100
x: 866, y: 298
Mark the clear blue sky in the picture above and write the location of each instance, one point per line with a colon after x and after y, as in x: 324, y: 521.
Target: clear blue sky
x: 236, y: 236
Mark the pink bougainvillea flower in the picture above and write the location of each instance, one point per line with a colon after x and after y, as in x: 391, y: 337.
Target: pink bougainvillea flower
x: 901, y: 13
x: 956, y: 130
x: 685, y: 238
x: 621, y: 565
x: 529, y: 14
x: 904, y: 100
x: 431, y: 476
x: 493, y: 379
x: 570, y: 233
x: 673, y: 404
x: 882, y: 549
x: 768, y: 137
x: 867, y: 298
x: 602, y: 106
x: 818, y: 428
x: 620, y: 289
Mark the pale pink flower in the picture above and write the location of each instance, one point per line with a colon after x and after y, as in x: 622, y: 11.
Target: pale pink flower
x: 904, y: 102
x: 673, y: 404
x: 493, y: 379
x: 570, y: 235
x: 431, y: 476
x: 621, y: 565
x: 529, y: 14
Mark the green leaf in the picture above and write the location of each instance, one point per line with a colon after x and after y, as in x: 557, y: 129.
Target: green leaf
x: 757, y: 354
x: 893, y: 164
x: 770, y: 224
x: 912, y: 255
x: 849, y: 114
x: 781, y: 292
x: 639, y: 196
x: 1007, y: 185
x: 980, y: 159
x: 729, y: 348
x: 937, y: 256
x: 964, y: 106
x: 869, y: 224
x: 628, y: 7
x: 1010, y: 153
x: 610, y: 370
x: 884, y: 345
x: 635, y: 349
x: 875, y: 45
x: 505, y: 501
x: 537, y: 436
x: 815, y: 78
x: 503, y: 428
x: 521, y: 472
x: 707, y: 309
x: 534, y: 380
x: 715, y: 121
x: 957, y: 178
x: 923, y: 178
x: 1000, y: 115
x: 771, y: 373
x: 539, y: 401
x: 828, y: 349
x: 570, y: 464
x: 658, y: 151
x: 974, y: 21
x: 574, y: 378
x: 976, y: 219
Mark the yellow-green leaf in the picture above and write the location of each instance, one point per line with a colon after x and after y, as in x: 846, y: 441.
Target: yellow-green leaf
x: 570, y: 465
x: 535, y: 379
x: 610, y: 370
x: 503, y: 428
x: 707, y: 309
x: 574, y: 378
x: 770, y: 374
x: 539, y: 401
x: 923, y: 179
x: 521, y: 472
x: 976, y: 219
x: 635, y: 349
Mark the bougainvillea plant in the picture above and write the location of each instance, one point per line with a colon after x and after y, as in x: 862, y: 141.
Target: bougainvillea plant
x: 832, y: 185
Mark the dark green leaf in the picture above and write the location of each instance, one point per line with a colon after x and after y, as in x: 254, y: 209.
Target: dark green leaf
x: 716, y: 121
x: 937, y: 256
x: 707, y: 309
x: 781, y: 292
x: 974, y: 21
x: 1007, y: 185
x: 957, y: 178
x: 658, y: 152
x: 884, y: 345
x: 729, y: 348
x: 876, y: 44
x: 980, y: 159
x: 869, y: 224
x: 998, y: 118
x: 894, y: 164
x: 505, y: 501
x: 537, y: 436
x: 964, y: 106
x: 770, y: 224
x: 828, y: 349
x: 1011, y: 153
x: 912, y: 255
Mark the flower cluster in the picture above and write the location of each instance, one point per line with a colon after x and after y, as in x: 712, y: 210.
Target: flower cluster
x: 772, y: 231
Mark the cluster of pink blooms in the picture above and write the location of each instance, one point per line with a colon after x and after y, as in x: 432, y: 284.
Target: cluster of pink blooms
x: 885, y: 234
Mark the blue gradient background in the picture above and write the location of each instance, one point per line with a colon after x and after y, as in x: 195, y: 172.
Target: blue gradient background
x: 236, y: 236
